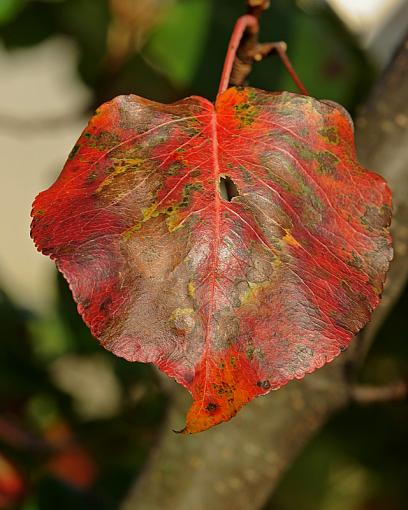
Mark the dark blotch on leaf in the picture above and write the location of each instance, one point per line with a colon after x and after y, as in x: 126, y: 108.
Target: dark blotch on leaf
x: 105, y: 304
x: 265, y: 385
x: 74, y: 151
x: 85, y: 303
x: 211, y: 407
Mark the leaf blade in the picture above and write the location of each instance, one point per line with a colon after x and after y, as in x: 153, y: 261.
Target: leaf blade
x: 231, y: 295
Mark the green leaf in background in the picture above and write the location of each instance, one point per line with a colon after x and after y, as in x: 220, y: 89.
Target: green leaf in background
x: 9, y: 9
x: 176, y: 45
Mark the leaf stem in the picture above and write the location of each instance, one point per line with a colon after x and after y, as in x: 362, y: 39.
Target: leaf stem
x: 244, y: 39
x: 280, y: 48
x: 244, y: 22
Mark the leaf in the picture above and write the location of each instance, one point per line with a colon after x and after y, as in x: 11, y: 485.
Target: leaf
x: 235, y: 246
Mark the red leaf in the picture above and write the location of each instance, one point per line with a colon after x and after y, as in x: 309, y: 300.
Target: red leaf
x: 232, y: 295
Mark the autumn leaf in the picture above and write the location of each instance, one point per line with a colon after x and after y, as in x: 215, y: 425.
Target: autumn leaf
x: 236, y: 246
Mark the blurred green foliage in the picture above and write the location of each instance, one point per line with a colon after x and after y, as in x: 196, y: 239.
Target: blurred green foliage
x: 356, y: 463
x: 176, y: 51
x: 9, y: 9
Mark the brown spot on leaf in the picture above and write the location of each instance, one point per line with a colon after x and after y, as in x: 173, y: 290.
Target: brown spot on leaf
x: 105, y: 304
x: 265, y: 385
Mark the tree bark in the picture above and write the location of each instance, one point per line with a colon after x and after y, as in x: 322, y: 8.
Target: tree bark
x: 238, y: 464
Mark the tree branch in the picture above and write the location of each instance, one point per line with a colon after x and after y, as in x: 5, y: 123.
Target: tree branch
x: 239, y: 463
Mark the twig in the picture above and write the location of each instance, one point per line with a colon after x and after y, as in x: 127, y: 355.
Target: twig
x: 366, y: 394
x: 266, y: 49
x: 246, y: 24
x: 256, y: 7
x: 245, y: 49
x: 243, y: 59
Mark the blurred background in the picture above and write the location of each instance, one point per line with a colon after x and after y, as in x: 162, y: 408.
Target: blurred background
x: 77, y: 424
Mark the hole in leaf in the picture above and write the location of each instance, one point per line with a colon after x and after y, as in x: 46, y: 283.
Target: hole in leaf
x: 228, y: 188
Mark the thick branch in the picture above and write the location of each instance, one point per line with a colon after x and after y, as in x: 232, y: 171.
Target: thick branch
x: 237, y: 465
x: 382, y: 143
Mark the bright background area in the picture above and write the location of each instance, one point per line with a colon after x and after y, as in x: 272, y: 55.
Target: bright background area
x: 378, y: 23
